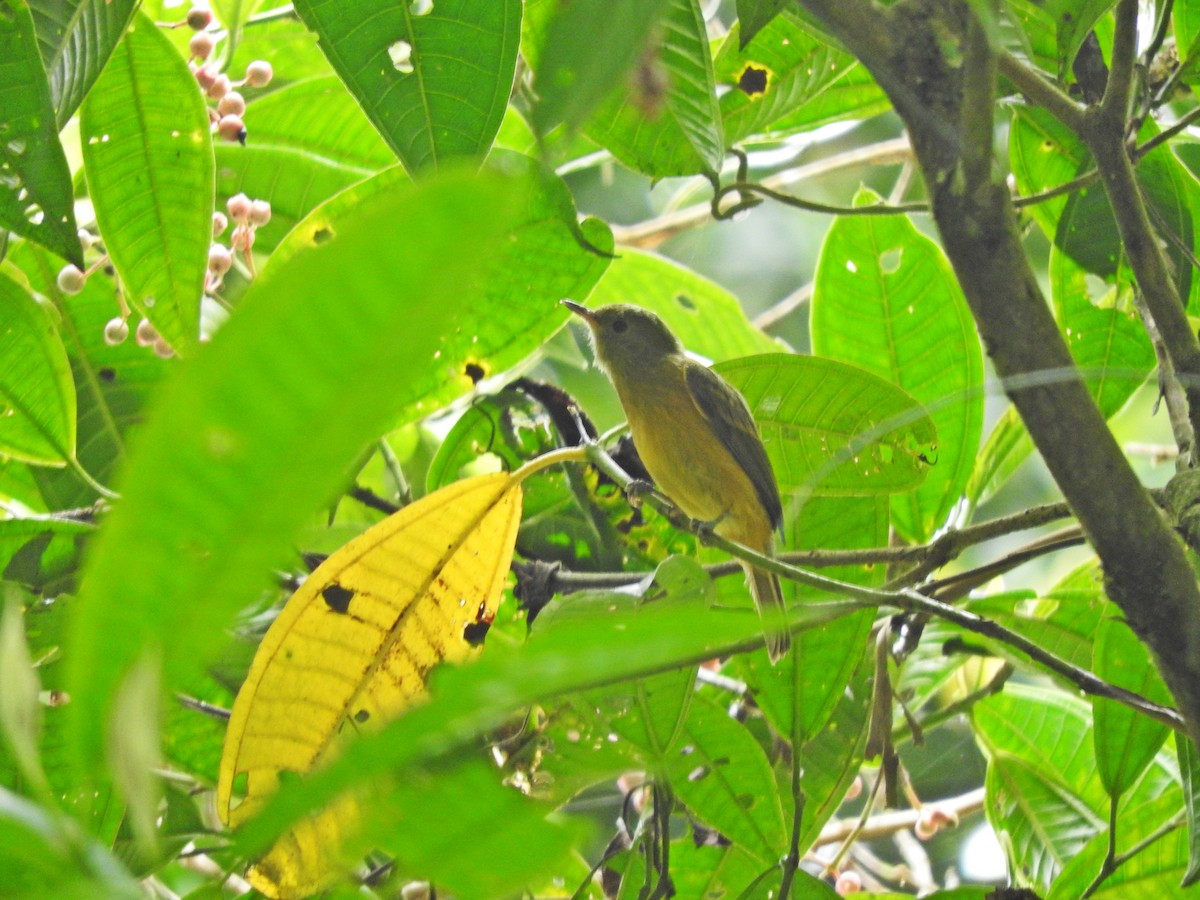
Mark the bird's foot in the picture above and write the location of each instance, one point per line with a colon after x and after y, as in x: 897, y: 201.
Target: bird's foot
x: 705, y: 530
x: 636, y: 490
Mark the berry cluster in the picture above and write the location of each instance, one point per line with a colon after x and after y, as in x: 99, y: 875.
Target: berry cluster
x: 247, y: 216
x: 226, y: 118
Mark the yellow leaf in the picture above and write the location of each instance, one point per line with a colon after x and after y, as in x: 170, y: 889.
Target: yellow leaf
x: 352, y: 648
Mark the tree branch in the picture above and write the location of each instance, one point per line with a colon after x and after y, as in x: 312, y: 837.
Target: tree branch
x: 1147, y: 569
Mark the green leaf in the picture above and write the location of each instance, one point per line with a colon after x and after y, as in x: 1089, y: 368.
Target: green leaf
x: 831, y: 429
x: 1154, y: 872
x: 676, y: 134
x: 779, y: 76
x: 292, y: 49
x: 293, y: 181
x: 548, y: 256
x: 885, y: 299
x: 1062, y: 621
x: 832, y: 759
x: 580, y: 49
x: 36, y: 199
x: 1125, y: 741
x: 1189, y: 770
x: 249, y: 439
x: 754, y: 15
x: 435, y: 85
x: 704, y: 316
x: 42, y: 855
x: 318, y: 118
x: 148, y: 155
x: 1088, y: 233
x: 722, y: 775
x: 1044, y: 154
x: 112, y: 382
x: 799, y: 694
x: 1104, y: 333
x: 1073, y: 19
x: 76, y: 38
x: 37, y: 395
x: 526, y: 846
x: 573, y: 655
x: 20, y: 710
x: 39, y: 551
x: 1043, y: 789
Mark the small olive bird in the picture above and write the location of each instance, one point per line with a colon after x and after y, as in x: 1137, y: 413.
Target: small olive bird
x: 698, y: 440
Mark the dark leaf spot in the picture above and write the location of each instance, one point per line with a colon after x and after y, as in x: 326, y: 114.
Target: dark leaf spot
x: 475, y: 372
x: 685, y: 301
x: 475, y: 632
x: 337, y: 597
x: 753, y: 80
x: 361, y: 716
x: 107, y: 374
x: 322, y: 235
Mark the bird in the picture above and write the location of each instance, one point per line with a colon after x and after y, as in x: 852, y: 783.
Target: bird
x: 698, y: 440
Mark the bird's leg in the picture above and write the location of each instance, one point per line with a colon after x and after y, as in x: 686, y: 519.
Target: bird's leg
x: 639, y: 488
x: 705, y: 530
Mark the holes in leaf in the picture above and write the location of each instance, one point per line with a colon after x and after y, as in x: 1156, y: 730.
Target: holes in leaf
x: 337, y: 598
x: 753, y: 81
x: 401, y: 56
x: 889, y: 260
x: 420, y: 7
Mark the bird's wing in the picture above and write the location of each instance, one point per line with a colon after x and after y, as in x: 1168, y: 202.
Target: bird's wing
x: 726, y: 411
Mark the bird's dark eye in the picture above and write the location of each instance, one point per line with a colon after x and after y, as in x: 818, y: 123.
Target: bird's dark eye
x: 620, y: 326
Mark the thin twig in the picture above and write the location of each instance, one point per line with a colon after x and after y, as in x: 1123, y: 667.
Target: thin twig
x: 904, y: 599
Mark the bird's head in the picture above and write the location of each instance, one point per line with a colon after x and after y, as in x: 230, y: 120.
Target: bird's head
x: 627, y: 338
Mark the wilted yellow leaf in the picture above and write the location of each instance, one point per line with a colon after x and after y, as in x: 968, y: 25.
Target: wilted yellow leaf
x: 352, y: 648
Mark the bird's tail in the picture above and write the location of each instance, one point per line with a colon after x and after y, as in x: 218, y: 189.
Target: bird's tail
x: 768, y: 597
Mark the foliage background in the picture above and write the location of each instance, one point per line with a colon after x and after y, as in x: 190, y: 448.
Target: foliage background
x: 384, y: 363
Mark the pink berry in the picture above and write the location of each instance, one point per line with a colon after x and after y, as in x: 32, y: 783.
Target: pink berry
x: 259, y: 73
x: 116, y: 331
x: 239, y: 207
x: 199, y: 17
x: 201, y: 45
x: 219, y: 259
x: 232, y: 104
x: 260, y: 212
x: 242, y: 239
x: 219, y: 88
x: 162, y: 349
x: 220, y: 223
x: 146, y: 333
x: 71, y: 280
x: 848, y: 882
x: 232, y: 128
x: 206, y: 77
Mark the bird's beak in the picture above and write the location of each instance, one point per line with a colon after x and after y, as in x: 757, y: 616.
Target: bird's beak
x: 582, y: 311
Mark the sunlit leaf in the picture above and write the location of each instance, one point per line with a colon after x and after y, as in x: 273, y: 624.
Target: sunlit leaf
x: 665, y: 121
x: 37, y: 394
x: 779, y: 77
x: 36, y: 199
x: 832, y: 429
x: 886, y: 299
x: 1125, y: 740
x: 435, y: 84
x: 147, y: 152
x: 77, y: 37
x: 361, y: 635
x: 252, y: 437
x: 579, y: 49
